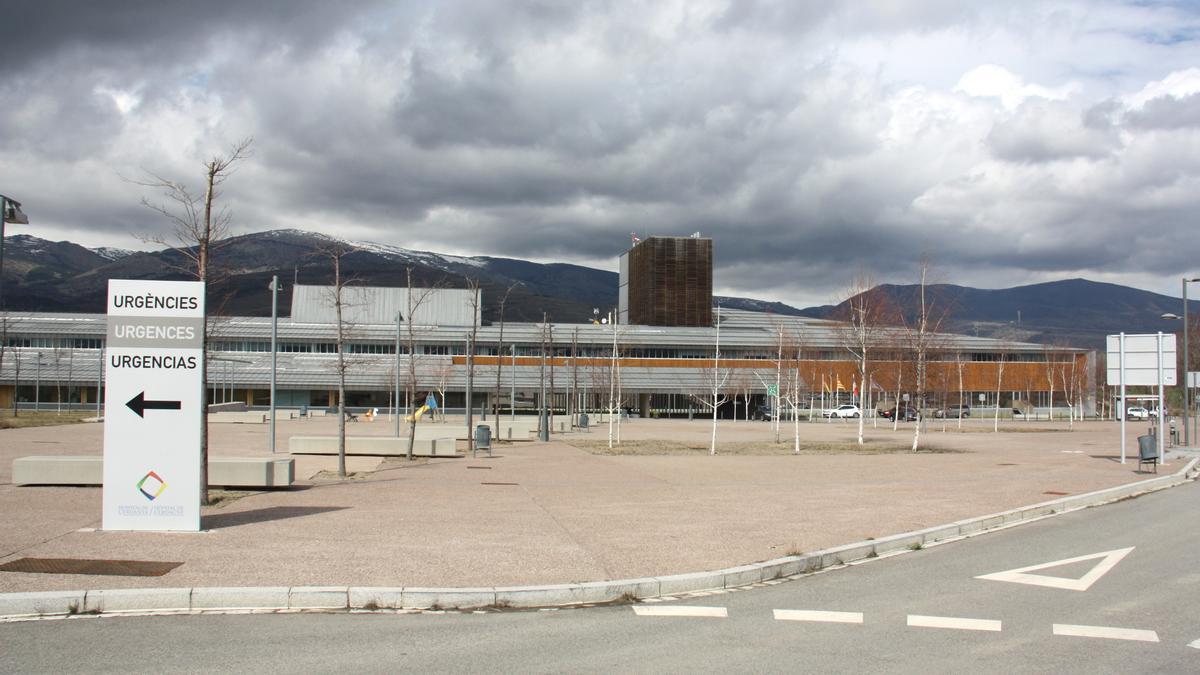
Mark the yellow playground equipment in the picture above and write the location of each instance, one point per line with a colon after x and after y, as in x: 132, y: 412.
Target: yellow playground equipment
x: 420, y: 411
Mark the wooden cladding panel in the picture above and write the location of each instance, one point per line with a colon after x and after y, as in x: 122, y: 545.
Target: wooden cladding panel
x: 943, y: 375
x: 670, y: 282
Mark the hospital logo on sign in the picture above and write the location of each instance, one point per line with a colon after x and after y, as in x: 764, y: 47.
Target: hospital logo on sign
x: 151, y: 485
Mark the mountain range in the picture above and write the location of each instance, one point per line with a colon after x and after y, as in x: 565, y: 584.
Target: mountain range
x: 41, y: 275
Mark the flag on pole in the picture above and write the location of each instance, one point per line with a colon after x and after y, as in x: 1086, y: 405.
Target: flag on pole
x: 840, y: 386
x: 854, y: 388
x: 874, y: 384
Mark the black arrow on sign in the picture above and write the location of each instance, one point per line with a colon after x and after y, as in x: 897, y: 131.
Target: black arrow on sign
x: 139, y: 404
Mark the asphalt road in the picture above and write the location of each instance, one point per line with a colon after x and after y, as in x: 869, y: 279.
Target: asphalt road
x: 1140, y: 605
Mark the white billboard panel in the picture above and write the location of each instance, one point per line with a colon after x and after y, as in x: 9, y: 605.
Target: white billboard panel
x: 1141, y: 359
x: 154, y: 361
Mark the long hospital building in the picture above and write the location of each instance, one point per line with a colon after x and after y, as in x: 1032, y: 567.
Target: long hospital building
x: 664, y: 341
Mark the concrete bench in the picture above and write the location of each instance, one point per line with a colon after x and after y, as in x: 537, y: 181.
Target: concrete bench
x: 251, y: 471
x: 248, y: 417
x: 240, y: 472
x: 386, y: 446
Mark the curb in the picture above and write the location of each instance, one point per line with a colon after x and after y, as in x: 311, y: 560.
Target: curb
x: 23, y: 606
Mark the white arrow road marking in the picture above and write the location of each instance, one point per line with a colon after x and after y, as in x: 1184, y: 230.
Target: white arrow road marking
x: 1195, y: 644
x: 817, y: 615
x: 1105, y: 632
x: 919, y: 621
x: 681, y: 610
x: 1021, y: 576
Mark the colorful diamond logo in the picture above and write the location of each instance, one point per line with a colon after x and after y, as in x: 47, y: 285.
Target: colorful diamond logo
x: 151, y: 485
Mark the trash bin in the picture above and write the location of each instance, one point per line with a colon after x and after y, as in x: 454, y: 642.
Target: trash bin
x: 1147, y: 446
x: 483, y: 437
x: 1148, y: 451
x: 583, y: 421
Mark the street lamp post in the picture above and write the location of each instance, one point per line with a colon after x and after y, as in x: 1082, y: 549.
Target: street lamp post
x: 1187, y: 430
x: 1187, y: 435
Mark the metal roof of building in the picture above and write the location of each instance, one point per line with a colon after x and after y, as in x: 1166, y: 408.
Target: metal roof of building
x: 739, y: 329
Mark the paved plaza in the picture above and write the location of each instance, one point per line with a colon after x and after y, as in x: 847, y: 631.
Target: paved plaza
x: 542, y: 513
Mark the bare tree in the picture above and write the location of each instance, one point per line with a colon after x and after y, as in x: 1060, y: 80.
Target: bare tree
x: 1050, y: 353
x: 415, y: 298
x: 999, y: 382
x: 864, y: 317
x: 613, y: 400
x: 473, y: 287
x: 335, y: 251
x: 500, y: 357
x: 4, y: 320
x: 197, y: 230
x: 441, y: 375
x: 740, y: 382
x: 958, y: 366
x: 924, y: 337
x: 716, y: 397
x: 795, y: 351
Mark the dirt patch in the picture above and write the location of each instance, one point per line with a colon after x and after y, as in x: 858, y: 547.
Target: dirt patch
x: 219, y: 499
x: 669, y: 447
x: 326, y: 476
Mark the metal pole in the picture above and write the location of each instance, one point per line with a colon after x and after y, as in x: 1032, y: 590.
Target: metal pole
x: 99, y: 382
x: 470, y: 393
x: 1187, y: 435
x: 397, y: 373
x: 543, y: 430
x: 37, y: 385
x: 512, y: 381
x: 1121, y: 410
x: 3, y: 213
x: 1162, y: 414
x: 274, y: 349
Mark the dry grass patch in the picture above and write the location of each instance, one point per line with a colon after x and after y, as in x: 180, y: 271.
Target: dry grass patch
x: 41, y: 419
x: 682, y: 448
x: 1004, y: 430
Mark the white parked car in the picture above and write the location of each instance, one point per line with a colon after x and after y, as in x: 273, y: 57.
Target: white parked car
x: 844, y: 410
x: 1138, y: 413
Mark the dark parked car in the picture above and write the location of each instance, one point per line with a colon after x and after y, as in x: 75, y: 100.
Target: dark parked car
x: 763, y: 412
x: 953, y: 411
x: 907, y: 413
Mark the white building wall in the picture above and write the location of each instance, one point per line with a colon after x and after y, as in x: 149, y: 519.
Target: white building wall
x: 375, y: 305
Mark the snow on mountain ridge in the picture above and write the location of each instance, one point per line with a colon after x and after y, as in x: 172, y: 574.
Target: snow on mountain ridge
x: 110, y: 253
x: 439, y: 260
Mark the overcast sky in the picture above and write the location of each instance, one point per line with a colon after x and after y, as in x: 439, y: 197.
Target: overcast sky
x: 1011, y: 142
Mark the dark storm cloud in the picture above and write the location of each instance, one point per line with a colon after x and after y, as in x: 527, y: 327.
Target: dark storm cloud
x: 137, y: 29
x: 804, y: 137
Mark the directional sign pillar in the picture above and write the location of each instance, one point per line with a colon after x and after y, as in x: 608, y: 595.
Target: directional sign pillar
x: 152, y: 408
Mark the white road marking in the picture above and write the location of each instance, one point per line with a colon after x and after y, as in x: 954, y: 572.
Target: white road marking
x: 1106, y: 632
x: 681, y: 610
x: 919, y: 621
x: 817, y: 615
x: 1021, y: 576
x: 1195, y: 644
